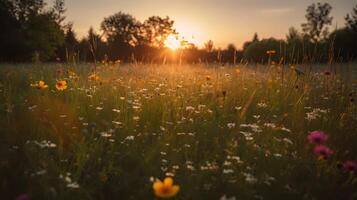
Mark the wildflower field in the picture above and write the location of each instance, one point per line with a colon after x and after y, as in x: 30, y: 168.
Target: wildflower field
x: 135, y: 131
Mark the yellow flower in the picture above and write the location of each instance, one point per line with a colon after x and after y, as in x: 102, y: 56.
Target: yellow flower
x: 238, y: 71
x: 61, y: 85
x: 165, y: 189
x: 72, y: 74
x: 93, y: 77
x: 40, y: 85
x: 271, y: 52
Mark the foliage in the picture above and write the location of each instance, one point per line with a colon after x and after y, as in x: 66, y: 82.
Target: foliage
x: 255, y: 39
x: 43, y: 35
x: 318, y: 18
x: 257, y: 51
x: 122, y: 33
x: 344, y: 44
x: 11, y: 34
x: 209, y: 46
x: 351, y: 20
x: 32, y: 31
x: 155, y: 30
x: 28, y: 29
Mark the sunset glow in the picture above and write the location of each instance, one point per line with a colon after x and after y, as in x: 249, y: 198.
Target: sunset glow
x: 231, y: 21
x: 179, y: 99
x: 172, y: 42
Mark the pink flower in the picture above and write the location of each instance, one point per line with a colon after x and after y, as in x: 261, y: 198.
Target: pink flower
x: 317, y: 137
x: 323, y: 151
x: 350, y: 166
x: 22, y: 197
x: 327, y: 73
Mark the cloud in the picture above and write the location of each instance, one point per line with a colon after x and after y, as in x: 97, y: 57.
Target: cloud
x: 276, y: 11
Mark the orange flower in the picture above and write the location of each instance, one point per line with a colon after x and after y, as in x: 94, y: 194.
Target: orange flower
x: 238, y: 71
x: 72, y: 74
x: 40, y: 85
x: 270, y: 52
x: 165, y: 189
x: 93, y: 77
x: 61, y: 85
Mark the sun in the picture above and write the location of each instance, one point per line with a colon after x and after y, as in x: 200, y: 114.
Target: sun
x: 172, y: 42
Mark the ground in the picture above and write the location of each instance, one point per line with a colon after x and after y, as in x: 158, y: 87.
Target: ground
x: 220, y: 131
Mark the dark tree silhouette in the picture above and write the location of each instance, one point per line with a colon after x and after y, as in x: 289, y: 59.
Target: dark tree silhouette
x: 122, y: 32
x: 344, y: 42
x: 209, y: 46
x: 43, y: 35
x: 71, y: 44
x: 26, y: 8
x: 29, y: 29
x: 11, y: 34
x: 293, y: 34
x: 255, y: 39
x: 318, y: 18
x: 231, y: 53
x: 155, y: 30
x: 351, y: 20
x: 257, y: 51
x: 121, y: 27
x: 97, y: 46
x: 92, y: 48
x: 58, y: 11
x: 295, y: 45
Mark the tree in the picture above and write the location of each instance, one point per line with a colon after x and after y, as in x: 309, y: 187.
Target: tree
x: 92, y: 47
x: 11, y: 35
x: 209, y: 46
x: 295, y: 46
x: 351, y: 20
x: 26, y: 8
x: 70, y: 44
x: 293, y: 35
x: 231, y: 53
x: 155, y: 30
x: 257, y: 51
x: 97, y: 46
x: 231, y: 48
x: 318, y: 18
x: 43, y: 35
x: 122, y: 32
x: 255, y: 39
x: 58, y: 11
x: 344, y: 44
x: 28, y: 28
x: 121, y: 27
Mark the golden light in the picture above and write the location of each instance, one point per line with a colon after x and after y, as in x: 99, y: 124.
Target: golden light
x: 172, y: 42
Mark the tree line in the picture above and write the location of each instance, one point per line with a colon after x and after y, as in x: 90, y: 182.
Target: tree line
x: 33, y: 31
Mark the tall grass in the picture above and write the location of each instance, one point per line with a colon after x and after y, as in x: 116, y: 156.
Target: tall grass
x: 218, y: 130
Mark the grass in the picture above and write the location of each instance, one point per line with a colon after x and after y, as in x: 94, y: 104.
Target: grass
x: 217, y: 130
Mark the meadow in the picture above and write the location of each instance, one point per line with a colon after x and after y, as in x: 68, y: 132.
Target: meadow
x: 112, y: 131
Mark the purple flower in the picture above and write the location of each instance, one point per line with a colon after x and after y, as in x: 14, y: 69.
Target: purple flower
x: 327, y: 73
x: 350, y: 166
x: 22, y: 197
x: 317, y: 137
x: 323, y: 151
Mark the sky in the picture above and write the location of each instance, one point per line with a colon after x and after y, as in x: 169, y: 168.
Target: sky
x: 223, y: 21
